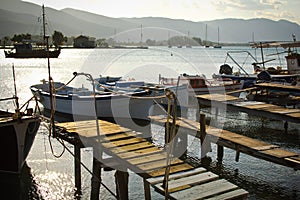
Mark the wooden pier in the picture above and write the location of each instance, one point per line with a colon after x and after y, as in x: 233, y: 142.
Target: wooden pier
x: 223, y: 101
x: 128, y: 151
x: 237, y: 142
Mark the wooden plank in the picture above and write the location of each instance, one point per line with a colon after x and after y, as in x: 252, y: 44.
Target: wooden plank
x: 173, y: 169
x: 235, y: 194
x: 157, y: 164
x: 205, y: 190
x: 148, y: 158
x: 116, y: 150
x: 265, y: 147
x: 155, y: 180
x: 280, y: 153
x: 125, y: 142
x: 187, y: 182
x: 120, y: 136
x: 295, y: 160
x: 139, y: 152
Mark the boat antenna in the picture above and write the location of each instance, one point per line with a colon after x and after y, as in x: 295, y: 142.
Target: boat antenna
x: 16, y: 96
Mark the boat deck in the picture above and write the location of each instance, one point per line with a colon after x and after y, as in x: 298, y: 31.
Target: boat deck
x: 129, y: 150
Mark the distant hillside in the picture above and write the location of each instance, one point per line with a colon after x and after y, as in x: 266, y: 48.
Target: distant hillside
x: 22, y: 17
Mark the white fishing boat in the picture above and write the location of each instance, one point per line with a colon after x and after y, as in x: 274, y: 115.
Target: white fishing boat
x: 201, y: 85
x: 154, y: 90
x: 82, y: 102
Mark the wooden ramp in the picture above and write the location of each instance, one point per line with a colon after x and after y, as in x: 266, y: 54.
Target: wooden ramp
x: 129, y: 150
x: 240, y: 143
x: 251, y: 107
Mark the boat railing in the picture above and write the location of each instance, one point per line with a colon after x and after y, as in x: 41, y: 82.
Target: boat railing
x: 241, y: 67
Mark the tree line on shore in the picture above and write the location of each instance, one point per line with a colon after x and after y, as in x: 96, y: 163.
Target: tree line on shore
x: 57, y: 40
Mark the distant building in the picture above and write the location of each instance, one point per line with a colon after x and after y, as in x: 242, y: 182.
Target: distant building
x: 84, y: 42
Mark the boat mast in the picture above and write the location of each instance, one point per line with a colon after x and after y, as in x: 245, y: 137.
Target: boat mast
x: 141, y: 35
x: 44, y: 23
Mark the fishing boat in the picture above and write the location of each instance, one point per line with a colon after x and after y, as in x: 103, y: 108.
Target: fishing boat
x: 154, y: 90
x: 199, y: 84
x: 29, y: 49
x: 261, y: 73
x: 84, y: 103
x: 18, y: 130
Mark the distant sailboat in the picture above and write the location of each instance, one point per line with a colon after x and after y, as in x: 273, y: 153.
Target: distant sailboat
x: 218, y: 45
x: 206, y: 45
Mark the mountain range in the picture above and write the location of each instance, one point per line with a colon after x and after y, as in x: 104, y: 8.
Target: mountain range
x: 23, y: 17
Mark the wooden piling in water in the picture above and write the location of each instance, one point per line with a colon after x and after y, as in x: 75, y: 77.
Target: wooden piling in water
x: 121, y: 179
x: 77, y: 168
x: 205, y: 145
x: 96, y: 179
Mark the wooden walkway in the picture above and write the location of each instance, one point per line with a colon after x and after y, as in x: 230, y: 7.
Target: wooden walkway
x: 221, y: 101
x: 280, y: 87
x: 129, y: 150
x: 239, y: 143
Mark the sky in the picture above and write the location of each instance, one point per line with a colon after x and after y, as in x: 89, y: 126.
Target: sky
x: 193, y: 10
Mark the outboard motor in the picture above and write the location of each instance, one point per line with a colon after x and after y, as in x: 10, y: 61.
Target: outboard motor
x: 225, y: 69
x: 264, y: 76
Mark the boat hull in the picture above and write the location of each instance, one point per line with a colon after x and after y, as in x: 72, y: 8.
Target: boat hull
x: 16, y: 139
x: 103, y: 106
x: 42, y: 53
x: 214, y: 89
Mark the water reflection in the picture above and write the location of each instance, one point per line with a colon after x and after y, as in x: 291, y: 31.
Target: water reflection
x: 19, y: 186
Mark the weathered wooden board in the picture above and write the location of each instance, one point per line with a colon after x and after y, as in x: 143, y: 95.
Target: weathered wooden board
x: 282, y: 87
x: 148, y: 158
x: 280, y: 153
x: 138, y: 153
x: 205, y: 190
x: 173, y: 169
x: 235, y: 194
x: 156, y: 180
x: 157, y: 164
x: 189, y: 181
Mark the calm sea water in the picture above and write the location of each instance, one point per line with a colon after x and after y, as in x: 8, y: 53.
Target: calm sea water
x: 48, y: 177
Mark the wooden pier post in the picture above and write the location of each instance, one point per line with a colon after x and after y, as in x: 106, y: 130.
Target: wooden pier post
x: 121, y: 178
x: 220, y: 152
x: 77, y: 169
x: 96, y: 179
x: 286, y: 126
x: 147, y: 192
x: 204, y: 144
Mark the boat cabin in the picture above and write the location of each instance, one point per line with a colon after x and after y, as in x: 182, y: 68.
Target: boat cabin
x: 22, y: 47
